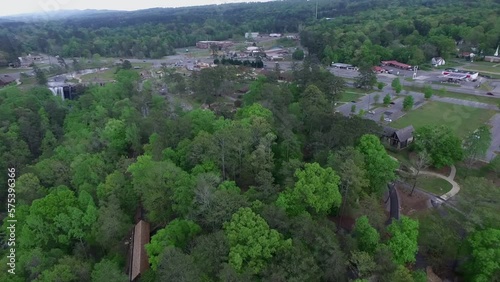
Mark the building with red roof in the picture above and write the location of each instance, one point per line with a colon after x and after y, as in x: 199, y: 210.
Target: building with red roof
x: 397, y: 64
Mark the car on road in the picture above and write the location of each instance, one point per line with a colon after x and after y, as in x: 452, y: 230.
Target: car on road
x: 489, y: 93
x: 353, y: 101
x: 392, y: 103
x: 387, y: 119
x: 371, y: 112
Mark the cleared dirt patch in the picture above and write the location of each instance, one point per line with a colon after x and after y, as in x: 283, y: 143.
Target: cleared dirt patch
x: 419, y: 201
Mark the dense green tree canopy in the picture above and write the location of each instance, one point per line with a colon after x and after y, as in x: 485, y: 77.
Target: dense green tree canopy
x: 485, y: 262
x: 379, y: 165
x: 367, y: 237
x: 316, y: 190
x: 176, y: 234
x: 403, y: 241
x: 443, y: 146
x: 251, y: 241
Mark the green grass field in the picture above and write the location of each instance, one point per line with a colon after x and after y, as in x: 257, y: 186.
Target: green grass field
x: 461, y: 119
x: 484, y: 67
x: 475, y: 98
x: 11, y: 70
x: 349, y: 96
x: 462, y: 96
x: 451, y: 64
x: 435, y: 185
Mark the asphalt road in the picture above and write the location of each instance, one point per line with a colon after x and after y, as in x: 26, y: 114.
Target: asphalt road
x: 495, y: 138
x: 423, y: 78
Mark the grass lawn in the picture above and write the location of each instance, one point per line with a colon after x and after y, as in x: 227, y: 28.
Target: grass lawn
x: 433, y: 185
x: 359, y: 90
x: 462, y: 96
x: 475, y: 98
x: 402, y: 155
x: 142, y: 65
x: 12, y: 70
x: 446, y: 84
x: 349, y: 96
x: 461, y: 119
x: 451, y: 64
x: 484, y: 67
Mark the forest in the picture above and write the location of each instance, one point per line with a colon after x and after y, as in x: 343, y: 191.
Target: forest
x: 358, y: 29
x: 256, y: 194
x: 277, y: 187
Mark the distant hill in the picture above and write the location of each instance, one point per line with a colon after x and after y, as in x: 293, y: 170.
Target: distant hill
x: 53, y: 15
x: 154, y: 33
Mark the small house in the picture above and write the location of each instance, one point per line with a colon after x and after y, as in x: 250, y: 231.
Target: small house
x: 6, y: 80
x: 398, y: 138
x: 437, y: 61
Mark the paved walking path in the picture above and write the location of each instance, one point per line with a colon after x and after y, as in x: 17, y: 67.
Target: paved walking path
x: 450, y: 178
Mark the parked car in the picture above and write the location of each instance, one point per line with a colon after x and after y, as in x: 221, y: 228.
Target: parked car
x: 387, y: 119
x: 353, y: 101
x: 392, y: 103
x: 489, y: 93
x: 371, y: 112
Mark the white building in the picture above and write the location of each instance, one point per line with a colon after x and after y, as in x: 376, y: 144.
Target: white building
x: 437, y: 61
x: 249, y: 35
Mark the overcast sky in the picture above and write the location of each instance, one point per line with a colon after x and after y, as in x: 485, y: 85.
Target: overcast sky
x: 30, y: 6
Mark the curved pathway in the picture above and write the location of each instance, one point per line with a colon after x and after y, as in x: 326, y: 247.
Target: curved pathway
x: 450, y: 178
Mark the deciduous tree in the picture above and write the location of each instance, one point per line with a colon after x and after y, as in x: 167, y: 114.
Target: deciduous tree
x: 379, y: 165
x: 176, y: 234
x: 252, y: 243
x: 476, y: 145
x: 366, y: 236
x: 403, y: 242
x: 485, y: 261
x: 316, y: 190
x: 443, y: 146
x: 408, y: 102
x: 366, y: 78
x: 387, y: 99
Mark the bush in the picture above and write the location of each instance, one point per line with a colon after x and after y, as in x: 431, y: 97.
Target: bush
x: 298, y: 55
x: 387, y: 99
x: 427, y: 92
x: 408, y: 103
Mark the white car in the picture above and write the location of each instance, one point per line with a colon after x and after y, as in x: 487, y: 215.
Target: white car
x: 371, y: 112
x: 387, y: 119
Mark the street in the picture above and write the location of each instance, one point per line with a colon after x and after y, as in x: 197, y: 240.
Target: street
x: 495, y: 138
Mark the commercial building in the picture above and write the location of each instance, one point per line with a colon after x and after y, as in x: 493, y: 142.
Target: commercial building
x: 250, y: 35
x: 460, y: 75
x: 397, y: 64
x: 207, y: 44
x: 343, y: 66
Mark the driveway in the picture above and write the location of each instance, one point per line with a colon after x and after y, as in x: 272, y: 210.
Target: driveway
x: 495, y: 138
